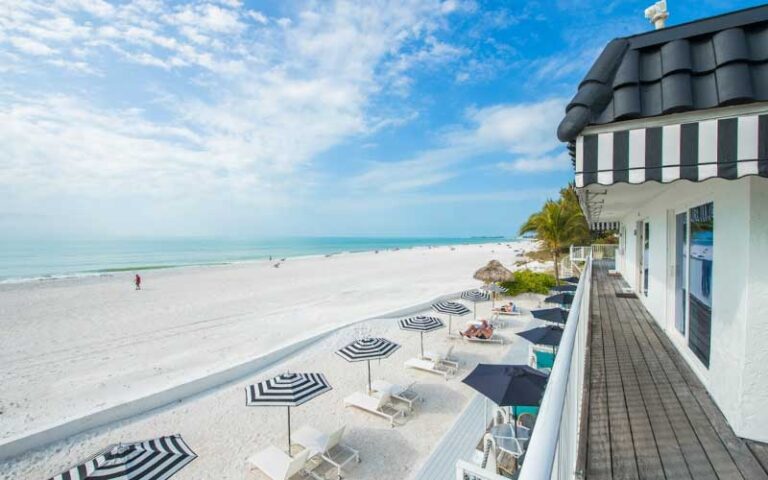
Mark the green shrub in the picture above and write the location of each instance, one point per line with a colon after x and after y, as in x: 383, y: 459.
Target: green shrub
x: 527, y: 281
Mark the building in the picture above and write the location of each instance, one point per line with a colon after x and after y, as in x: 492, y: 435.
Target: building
x: 669, y: 130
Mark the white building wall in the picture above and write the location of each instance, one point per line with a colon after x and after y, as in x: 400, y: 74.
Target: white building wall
x: 737, y: 377
x: 755, y: 376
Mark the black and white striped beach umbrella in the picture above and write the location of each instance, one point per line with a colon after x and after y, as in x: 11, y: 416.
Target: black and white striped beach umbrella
x: 450, y: 309
x: 493, y: 288
x: 573, y: 280
x: 476, y: 296
x: 421, y: 324
x: 156, y: 459
x: 286, y: 390
x: 367, y: 349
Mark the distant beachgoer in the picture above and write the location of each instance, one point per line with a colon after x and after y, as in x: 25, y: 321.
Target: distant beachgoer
x: 270, y: 258
x: 137, y: 281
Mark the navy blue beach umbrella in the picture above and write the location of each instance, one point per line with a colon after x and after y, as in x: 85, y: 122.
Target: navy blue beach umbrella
x: 564, y: 288
x: 560, y: 299
x: 548, y: 335
x: 553, y: 315
x: 509, y: 385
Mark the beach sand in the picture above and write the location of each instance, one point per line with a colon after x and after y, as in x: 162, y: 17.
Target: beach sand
x: 72, y: 347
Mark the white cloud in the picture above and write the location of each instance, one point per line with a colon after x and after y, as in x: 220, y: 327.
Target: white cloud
x: 31, y: 47
x: 547, y: 163
x: 525, y: 130
x: 246, y: 105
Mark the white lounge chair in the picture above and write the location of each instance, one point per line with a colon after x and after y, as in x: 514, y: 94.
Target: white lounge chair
x: 431, y: 367
x: 277, y: 465
x: 443, y: 358
x: 404, y: 394
x: 492, y: 339
x: 378, y: 406
x: 327, y: 446
x: 511, y: 313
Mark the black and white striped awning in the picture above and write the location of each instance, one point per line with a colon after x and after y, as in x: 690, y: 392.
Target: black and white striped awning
x: 287, y: 390
x: 476, y: 296
x: 156, y: 459
x: 450, y: 308
x: 372, y: 348
x: 421, y: 323
x: 604, y: 226
x: 726, y: 148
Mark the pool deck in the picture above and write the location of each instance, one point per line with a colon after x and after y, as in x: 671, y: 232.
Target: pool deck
x: 646, y: 415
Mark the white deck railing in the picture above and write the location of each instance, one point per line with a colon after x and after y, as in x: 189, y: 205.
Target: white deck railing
x: 553, y: 449
x: 598, y: 251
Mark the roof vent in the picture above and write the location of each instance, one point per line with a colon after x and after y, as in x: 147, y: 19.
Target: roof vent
x: 657, y: 14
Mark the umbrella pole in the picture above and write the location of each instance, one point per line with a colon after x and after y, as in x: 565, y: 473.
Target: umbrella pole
x: 450, y: 317
x: 369, y: 377
x: 514, y: 418
x: 421, y: 334
x: 289, y: 432
x: 474, y: 311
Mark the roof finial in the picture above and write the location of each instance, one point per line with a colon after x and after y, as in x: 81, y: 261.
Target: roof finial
x: 657, y: 14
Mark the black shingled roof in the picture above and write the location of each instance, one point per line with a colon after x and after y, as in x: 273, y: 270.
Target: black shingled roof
x: 708, y: 63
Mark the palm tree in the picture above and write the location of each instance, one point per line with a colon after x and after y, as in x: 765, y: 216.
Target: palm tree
x: 557, y: 226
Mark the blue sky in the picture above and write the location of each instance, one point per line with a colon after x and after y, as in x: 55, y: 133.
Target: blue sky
x: 249, y: 118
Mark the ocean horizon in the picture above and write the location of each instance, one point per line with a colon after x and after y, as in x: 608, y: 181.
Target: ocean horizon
x: 31, y: 260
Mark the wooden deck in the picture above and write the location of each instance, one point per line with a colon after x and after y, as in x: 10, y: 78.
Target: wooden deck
x: 647, y: 415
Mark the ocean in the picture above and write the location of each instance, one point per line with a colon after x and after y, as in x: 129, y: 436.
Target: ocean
x: 23, y: 261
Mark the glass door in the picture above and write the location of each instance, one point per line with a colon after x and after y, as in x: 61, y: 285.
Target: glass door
x: 700, y: 245
x: 646, y: 255
x: 681, y: 272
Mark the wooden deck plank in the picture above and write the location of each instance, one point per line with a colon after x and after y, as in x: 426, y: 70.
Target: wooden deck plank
x: 649, y: 416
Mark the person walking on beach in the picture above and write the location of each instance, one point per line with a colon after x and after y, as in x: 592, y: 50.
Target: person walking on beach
x: 137, y: 281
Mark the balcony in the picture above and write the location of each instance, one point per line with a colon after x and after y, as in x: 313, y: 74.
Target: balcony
x: 621, y: 402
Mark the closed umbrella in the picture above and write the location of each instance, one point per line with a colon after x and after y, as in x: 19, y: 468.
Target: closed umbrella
x: 367, y: 349
x: 286, y: 390
x: 451, y: 309
x: 156, y: 459
x: 421, y: 324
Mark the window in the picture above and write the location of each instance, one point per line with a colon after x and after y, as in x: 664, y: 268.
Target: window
x: 700, y: 246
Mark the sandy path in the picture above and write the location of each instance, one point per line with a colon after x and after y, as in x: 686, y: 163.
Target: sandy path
x: 71, y: 347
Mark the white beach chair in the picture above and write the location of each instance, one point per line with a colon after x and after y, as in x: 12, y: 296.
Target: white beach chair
x: 515, y: 312
x: 431, y: 367
x: 443, y: 358
x: 404, y: 394
x: 277, y: 465
x: 378, y: 406
x: 492, y: 339
x: 327, y: 446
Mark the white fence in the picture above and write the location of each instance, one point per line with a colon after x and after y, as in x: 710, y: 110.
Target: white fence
x: 598, y: 251
x: 553, y: 449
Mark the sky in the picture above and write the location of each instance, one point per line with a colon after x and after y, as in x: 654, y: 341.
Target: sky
x: 319, y: 118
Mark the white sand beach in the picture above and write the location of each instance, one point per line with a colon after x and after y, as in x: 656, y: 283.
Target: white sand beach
x: 76, y: 346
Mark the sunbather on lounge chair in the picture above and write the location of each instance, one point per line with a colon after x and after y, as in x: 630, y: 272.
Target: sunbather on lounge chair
x: 484, y: 331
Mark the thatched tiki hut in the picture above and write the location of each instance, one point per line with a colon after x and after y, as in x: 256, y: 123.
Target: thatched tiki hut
x: 494, y: 272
